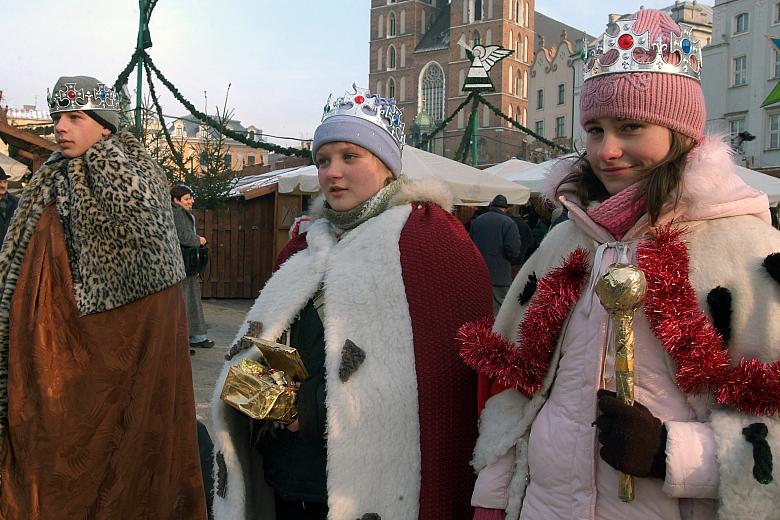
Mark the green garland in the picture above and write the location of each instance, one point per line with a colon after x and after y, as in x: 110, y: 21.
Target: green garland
x: 521, y: 127
x: 177, y: 158
x: 215, y: 125
x: 446, y: 121
x: 462, y: 153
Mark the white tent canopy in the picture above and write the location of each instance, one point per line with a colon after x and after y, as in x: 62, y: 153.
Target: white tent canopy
x: 468, y: 184
x: 761, y: 181
x: 534, y: 176
x: 526, y: 173
x: 13, y: 168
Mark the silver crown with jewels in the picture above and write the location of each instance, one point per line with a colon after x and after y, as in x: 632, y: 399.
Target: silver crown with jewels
x: 626, y: 41
x: 70, y: 97
x: 383, y: 112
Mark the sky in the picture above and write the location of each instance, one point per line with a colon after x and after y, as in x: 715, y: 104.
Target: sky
x: 281, y: 59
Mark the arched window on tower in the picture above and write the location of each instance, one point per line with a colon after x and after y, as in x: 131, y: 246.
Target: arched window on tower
x: 432, y: 91
x: 391, y: 88
x: 391, y: 25
x: 475, y: 39
x: 477, y: 10
x: 526, y: 15
x: 391, y: 58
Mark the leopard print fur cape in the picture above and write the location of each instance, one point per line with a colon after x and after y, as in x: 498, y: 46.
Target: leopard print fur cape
x: 115, y: 208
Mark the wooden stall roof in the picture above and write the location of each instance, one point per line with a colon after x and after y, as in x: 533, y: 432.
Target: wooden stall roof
x: 33, y: 149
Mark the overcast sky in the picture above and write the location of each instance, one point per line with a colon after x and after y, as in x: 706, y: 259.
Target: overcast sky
x: 282, y: 58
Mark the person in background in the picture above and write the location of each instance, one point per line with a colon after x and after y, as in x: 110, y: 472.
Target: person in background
x: 372, y: 296
x: 182, y: 199
x: 8, y: 203
x: 96, y: 399
x: 498, y: 239
x: 653, y: 191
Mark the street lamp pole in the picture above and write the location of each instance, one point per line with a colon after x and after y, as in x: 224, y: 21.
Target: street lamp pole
x: 141, y: 30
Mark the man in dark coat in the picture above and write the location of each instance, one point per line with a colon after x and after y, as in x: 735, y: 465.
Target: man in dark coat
x: 496, y: 236
x: 8, y: 204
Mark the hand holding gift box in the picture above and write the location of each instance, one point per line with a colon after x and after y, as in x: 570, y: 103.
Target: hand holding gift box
x: 266, y: 388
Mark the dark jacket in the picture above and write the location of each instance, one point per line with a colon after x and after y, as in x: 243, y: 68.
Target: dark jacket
x: 497, y: 238
x: 185, y: 226
x: 11, y: 202
x: 294, y: 462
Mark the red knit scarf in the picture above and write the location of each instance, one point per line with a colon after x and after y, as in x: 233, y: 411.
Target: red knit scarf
x: 619, y: 212
x: 671, y: 307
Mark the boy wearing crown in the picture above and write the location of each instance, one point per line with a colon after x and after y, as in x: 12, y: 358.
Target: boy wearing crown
x: 96, y: 400
x: 371, y: 295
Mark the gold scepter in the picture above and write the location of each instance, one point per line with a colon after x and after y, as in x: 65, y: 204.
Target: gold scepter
x: 621, y: 290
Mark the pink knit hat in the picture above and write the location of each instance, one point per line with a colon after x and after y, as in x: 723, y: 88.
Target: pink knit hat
x: 673, y: 101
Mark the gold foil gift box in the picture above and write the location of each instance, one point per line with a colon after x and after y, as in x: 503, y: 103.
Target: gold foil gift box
x: 267, y: 388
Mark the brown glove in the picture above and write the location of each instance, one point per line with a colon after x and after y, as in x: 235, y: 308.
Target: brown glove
x: 633, y: 440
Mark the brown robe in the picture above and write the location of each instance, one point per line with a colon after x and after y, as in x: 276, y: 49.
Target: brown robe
x: 101, y: 407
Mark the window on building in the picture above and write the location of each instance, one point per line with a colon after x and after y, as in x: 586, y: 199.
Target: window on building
x: 178, y: 129
x: 475, y: 39
x: 741, y: 23
x: 736, y: 126
x: 391, y: 24
x: 540, y: 99
x: 228, y: 160
x: 477, y: 10
x: 391, y: 88
x: 774, y: 131
x: 518, y: 84
x: 776, y: 13
x: 776, y: 67
x: 560, y: 126
x: 250, y: 160
x: 432, y: 90
x: 391, y: 58
x: 539, y: 128
x: 202, y: 158
x: 561, y: 94
x: 740, y: 71
x: 509, y: 113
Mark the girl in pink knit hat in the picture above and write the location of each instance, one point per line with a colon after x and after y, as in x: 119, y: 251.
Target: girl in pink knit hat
x: 652, y: 191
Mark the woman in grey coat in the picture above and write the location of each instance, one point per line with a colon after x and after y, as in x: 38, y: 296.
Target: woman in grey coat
x: 182, y: 199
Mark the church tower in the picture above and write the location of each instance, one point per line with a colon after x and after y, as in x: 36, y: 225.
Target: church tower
x: 415, y: 58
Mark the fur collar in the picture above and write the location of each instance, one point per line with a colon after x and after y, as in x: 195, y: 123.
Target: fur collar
x: 412, y: 190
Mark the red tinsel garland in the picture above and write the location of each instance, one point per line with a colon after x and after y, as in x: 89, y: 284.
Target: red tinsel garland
x: 526, y: 367
x: 695, y: 345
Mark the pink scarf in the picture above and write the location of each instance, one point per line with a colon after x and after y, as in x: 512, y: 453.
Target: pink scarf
x: 619, y: 213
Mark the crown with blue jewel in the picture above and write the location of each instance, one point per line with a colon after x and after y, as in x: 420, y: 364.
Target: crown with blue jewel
x: 681, y: 56
x: 72, y: 96
x: 383, y: 112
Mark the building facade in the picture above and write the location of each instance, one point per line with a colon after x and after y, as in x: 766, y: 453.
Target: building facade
x: 191, y: 135
x: 556, y: 76
x: 415, y: 58
x: 740, y: 68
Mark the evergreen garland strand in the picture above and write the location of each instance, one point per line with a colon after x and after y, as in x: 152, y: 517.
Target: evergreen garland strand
x: 461, y: 154
x: 521, y: 127
x: 215, y: 125
x: 177, y: 158
x: 446, y: 121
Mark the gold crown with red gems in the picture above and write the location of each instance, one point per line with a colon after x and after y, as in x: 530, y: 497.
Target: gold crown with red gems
x: 626, y: 41
x: 383, y: 112
x: 71, y: 97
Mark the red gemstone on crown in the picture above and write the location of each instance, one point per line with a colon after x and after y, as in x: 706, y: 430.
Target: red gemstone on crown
x: 71, y: 94
x: 626, y: 41
x: 359, y: 100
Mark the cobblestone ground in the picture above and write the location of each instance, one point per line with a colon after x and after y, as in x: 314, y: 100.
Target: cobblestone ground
x: 223, y: 318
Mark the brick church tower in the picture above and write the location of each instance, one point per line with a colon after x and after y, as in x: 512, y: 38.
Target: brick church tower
x: 415, y: 57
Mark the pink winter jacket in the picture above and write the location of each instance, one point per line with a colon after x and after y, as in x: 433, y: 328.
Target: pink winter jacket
x: 538, y: 458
